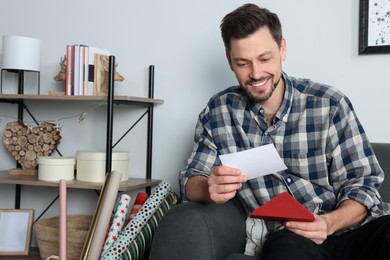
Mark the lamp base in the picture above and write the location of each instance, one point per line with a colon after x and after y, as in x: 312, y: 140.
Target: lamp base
x: 21, y: 77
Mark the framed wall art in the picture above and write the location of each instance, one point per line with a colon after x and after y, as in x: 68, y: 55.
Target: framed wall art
x: 374, y: 26
x: 16, y: 230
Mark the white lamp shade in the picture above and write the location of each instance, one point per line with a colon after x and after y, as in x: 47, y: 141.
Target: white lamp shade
x: 21, y: 53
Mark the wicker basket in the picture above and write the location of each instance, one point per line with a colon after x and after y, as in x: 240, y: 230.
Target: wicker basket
x: 47, y: 235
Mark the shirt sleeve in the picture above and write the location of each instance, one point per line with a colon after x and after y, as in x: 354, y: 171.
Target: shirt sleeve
x: 204, y: 154
x: 354, y: 169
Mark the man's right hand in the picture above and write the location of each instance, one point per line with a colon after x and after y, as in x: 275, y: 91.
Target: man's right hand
x: 219, y: 187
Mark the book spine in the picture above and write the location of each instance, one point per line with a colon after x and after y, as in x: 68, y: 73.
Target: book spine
x: 86, y: 71
x: 81, y: 70
x: 76, y: 70
x: 68, y: 71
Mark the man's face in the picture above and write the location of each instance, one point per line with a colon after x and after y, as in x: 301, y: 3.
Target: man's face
x: 256, y: 62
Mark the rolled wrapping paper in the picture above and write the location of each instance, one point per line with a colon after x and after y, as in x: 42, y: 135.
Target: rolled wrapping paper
x: 62, y: 244
x: 144, y: 238
x: 139, y: 201
x: 138, y: 222
x: 101, y: 219
x: 118, y: 221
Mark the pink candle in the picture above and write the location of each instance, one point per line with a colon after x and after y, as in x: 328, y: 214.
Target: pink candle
x: 62, y: 244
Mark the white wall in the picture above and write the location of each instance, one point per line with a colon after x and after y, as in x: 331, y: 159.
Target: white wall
x: 182, y: 39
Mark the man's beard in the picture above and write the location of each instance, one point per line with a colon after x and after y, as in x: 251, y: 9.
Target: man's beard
x: 262, y: 98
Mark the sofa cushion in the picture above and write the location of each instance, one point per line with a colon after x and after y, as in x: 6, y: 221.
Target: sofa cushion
x: 382, y: 152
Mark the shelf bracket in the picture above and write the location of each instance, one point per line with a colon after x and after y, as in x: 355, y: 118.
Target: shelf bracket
x: 110, y: 112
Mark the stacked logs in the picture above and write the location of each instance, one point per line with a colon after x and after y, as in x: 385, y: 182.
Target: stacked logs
x: 27, y: 144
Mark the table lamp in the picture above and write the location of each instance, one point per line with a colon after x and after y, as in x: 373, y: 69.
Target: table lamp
x: 20, y: 55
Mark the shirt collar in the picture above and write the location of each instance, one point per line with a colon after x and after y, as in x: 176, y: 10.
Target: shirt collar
x: 285, y: 107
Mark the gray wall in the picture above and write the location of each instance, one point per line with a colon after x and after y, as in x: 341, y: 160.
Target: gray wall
x: 182, y: 39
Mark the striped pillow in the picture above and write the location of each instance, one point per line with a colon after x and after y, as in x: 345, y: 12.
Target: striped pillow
x: 142, y: 241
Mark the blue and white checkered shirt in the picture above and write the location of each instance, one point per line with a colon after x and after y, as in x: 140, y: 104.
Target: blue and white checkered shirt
x: 317, y: 134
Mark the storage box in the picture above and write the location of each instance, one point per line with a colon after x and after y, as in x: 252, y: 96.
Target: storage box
x: 91, y: 165
x: 55, y: 168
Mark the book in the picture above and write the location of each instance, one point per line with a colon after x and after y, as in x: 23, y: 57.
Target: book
x: 282, y: 208
x: 76, y: 70
x: 69, y: 70
x: 92, y: 52
x: 85, y: 69
x: 82, y: 71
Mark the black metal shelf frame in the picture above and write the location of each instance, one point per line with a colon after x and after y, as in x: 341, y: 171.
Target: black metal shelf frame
x: 109, y: 133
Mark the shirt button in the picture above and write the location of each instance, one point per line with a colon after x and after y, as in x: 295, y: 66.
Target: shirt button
x: 289, y: 180
x: 262, y: 111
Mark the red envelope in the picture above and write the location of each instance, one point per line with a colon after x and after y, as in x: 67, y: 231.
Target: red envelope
x: 282, y: 208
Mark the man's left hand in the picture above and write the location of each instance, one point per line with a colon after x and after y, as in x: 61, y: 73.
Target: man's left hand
x: 317, y: 230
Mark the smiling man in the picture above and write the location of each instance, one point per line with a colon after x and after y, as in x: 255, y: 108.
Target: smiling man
x: 332, y: 169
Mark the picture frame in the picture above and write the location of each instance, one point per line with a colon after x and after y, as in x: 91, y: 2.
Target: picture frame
x: 374, y: 27
x: 16, y: 231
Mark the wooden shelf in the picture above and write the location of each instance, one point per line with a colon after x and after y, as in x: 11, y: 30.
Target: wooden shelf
x: 117, y: 99
x: 131, y: 184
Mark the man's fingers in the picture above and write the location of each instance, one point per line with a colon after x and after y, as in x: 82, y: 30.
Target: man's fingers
x: 225, y: 170
x: 222, y: 197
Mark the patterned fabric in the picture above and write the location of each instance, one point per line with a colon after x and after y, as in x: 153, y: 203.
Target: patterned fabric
x: 138, y: 222
x: 256, y: 233
x: 317, y: 134
x: 143, y: 240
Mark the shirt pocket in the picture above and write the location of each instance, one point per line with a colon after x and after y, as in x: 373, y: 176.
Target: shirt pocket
x: 309, y: 180
x: 311, y: 166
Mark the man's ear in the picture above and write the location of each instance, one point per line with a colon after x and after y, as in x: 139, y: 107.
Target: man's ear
x: 227, y: 53
x: 283, y: 49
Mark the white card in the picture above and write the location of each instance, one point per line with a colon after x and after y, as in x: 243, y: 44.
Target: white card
x: 255, y: 162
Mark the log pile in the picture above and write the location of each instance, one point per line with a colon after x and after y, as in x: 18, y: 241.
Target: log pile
x: 27, y: 144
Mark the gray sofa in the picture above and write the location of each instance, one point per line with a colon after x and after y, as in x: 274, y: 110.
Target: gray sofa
x: 193, y: 231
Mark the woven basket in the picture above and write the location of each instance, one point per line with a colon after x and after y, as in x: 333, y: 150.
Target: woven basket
x: 47, y: 235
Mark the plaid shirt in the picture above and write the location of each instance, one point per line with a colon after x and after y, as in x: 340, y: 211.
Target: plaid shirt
x: 317, y: 134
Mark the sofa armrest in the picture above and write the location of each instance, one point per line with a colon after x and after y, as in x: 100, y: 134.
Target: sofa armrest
x: 200, y: 231
x: 382, y: 152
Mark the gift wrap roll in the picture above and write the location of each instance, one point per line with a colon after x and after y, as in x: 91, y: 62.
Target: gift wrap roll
x: 118, y: 221
x: 138, y: 222
x: 100, y: 221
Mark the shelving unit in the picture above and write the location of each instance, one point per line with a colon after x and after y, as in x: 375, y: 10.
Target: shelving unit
x: 127, y: 100
x: 132, y: 183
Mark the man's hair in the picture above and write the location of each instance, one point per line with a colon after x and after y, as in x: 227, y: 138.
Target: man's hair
x: 246, y: 20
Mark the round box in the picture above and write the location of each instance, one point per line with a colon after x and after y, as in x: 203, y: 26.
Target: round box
x: 55, y: 168
x: 91, y: 165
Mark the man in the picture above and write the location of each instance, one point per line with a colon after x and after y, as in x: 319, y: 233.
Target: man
x: 332, y: 169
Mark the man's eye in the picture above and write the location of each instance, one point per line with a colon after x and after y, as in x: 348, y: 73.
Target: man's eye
x: 241, y: 64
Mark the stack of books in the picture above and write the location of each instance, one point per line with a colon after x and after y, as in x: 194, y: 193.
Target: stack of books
x: 86, y: 71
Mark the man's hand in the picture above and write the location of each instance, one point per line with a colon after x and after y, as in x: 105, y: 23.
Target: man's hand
x: 219, y: 187
x: 317, y: 230
x: 224, y: 182
x: 347, y: 215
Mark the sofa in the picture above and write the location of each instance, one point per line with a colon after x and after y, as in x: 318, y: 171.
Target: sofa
x: 193, y: 231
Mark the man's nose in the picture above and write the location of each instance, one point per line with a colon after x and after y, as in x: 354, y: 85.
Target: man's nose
x: 256, y: 70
